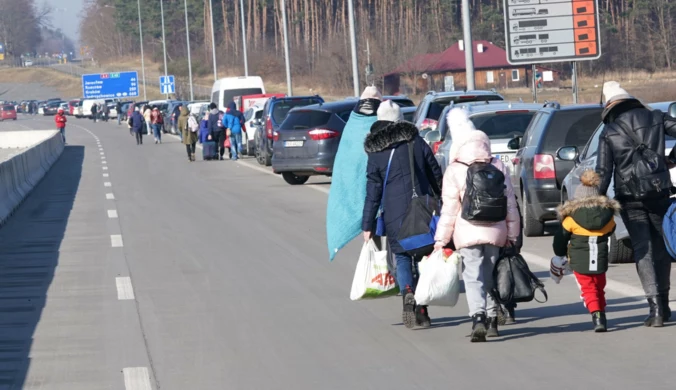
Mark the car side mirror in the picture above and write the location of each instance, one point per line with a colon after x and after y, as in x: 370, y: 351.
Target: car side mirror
x: 433, y: 136
x: 567, y: 153
x: 514, y: 143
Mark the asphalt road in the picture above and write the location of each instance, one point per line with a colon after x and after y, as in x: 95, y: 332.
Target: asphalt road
x: 131, y: 268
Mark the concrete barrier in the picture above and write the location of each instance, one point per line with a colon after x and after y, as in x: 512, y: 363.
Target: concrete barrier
x: 20, y: 173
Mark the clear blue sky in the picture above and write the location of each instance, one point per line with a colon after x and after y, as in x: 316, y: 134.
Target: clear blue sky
x: 66, y: 16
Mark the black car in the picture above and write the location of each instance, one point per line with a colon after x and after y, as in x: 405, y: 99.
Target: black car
x: 274, y: 112
x: 52, y: 107
x: 538, y: 174
x: 307, y: 141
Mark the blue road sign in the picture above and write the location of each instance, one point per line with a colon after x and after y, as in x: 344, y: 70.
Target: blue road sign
x: 110, y: 85
x: 167, y: 85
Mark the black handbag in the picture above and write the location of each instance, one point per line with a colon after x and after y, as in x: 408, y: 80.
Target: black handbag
x: 513, y: 281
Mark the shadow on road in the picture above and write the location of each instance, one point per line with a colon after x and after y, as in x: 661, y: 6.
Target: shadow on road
x: 29, y: 254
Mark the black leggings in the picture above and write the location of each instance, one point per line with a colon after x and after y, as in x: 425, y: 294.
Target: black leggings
x: 190, y: 149
x: 139, y: 137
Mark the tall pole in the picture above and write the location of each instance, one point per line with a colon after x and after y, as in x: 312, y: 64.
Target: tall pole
x: 213, y: 40
x: 353, y: 42
x: 535, y: 84
x: 246, y: 61
x: 574, y: 82
x: 286, y: 50
x: 187, y: 39
x: 143, y: 65
x: 469, y: 49
x: 164, y: 41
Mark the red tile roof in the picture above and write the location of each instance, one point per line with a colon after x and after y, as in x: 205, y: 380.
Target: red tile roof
x: 453, y: 59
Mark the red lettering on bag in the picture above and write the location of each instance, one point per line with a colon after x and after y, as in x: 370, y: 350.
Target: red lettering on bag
x: 384, y: 279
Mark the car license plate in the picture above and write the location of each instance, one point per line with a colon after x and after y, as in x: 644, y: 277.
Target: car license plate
x: 293, y: 144
x: 505, y: 158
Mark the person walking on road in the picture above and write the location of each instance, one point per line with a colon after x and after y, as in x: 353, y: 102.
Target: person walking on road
x: 479, y: 240
x: 233, y: 121
x: 587, y: 222
x: 146, y: 112
x: 94, y: 110
x: 137, y: 125
x: 189, y: 127
x: 118, y: 109
x: 216, y: 130
x: 632, y: 148
x: 174, y: 119
x: 60, y: 119
x: 387, y: 147
x: 105, y: 112
x: 157, y: 122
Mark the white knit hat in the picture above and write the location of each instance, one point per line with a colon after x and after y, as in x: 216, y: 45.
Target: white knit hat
x: 389, y: 111
x: 371, y: 92
x: 612, y: 91
x: 458, y: 123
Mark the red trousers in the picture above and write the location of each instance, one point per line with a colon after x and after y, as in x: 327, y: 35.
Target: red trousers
x: 592, y: 287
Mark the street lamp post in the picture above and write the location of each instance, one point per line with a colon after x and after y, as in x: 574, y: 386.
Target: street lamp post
x: 353, y: 42
x: 286, y: 50
x: 469, y: 45
x: 143, y: 65
x: 213, y: 39
x: 246, y: 62
x: 187, y: 39
x: 164, y: 41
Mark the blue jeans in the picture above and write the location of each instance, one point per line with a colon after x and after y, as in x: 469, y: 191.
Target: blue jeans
x: 405, y: 269
x: 119, y: 119
x: 236, y: 145
x: 63, y: 133
x: 157, y: 131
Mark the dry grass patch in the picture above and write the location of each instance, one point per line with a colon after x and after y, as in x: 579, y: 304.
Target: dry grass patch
x: 67, y: 85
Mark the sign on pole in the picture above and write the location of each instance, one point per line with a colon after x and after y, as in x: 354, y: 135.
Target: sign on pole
x: 2, y: 52
x: 110, y: 85
x: 540, y: 31
x: 167, y: 85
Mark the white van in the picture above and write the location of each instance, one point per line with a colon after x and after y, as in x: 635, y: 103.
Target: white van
x: 88, y: 103
x: 224, y: 90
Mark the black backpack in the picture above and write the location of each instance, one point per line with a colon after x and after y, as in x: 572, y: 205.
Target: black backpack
x: 513, y: 281
x: 484, y: 199
x: 649, y: 175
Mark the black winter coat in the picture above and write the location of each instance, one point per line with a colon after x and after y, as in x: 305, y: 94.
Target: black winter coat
x: 213, y: 123
x: 615, y: 149
x: 399, y: 190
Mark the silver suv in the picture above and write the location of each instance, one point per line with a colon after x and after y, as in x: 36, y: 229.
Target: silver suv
x: 430, y: 108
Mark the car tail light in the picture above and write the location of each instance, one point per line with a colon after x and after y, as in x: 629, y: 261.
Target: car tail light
x: 268, y: 128
x: 321, y: 169
x: 275, y: 136
x: 320, y: 134
x: 515, y: 160
x: 543, y: 166
x: 429, y: 124
x: 435, y: 146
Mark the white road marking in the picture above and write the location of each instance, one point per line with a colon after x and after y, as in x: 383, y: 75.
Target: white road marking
x: 103, y: 157
x: 612, y: 285
x: 107, y: 184
x: 124, y: 288
x: 104, y: 162
x: 136, y: 378
x: 112, y: 213
x: 110, y: 196
x: 105, y: 168
x: 106, y: 174
x: 116, y: 241
x: 102, y: 153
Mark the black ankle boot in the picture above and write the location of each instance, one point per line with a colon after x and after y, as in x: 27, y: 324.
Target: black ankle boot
x: 655, y: 319
x: 422, y: 317
x: 408, y: 315
x: 600, y: 322
x: 492, y: 330
x: 478, y: 328
x: 664, y: 298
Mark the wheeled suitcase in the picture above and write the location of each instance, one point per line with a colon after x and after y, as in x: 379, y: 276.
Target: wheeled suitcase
x: 209, y: 151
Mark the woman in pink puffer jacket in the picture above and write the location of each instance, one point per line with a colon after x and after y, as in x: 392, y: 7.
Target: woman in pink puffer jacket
x: 478, y: 243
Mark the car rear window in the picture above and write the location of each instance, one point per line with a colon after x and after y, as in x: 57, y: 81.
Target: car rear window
x: 571, y: 127
x: 7, y: 108
x: 503, y: 125
x: 438, y: 105
x: 403, y: 102
x: 300, y: 120
x: 409, y: 116
x: 281, y: 108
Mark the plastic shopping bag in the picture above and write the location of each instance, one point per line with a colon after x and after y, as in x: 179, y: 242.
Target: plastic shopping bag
x: 439, y: 282
x: 372, y: 278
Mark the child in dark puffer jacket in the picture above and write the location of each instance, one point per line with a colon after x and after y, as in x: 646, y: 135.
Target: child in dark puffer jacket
x: 587, y: 222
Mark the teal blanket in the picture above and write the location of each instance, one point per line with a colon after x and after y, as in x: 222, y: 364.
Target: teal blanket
x: 348, y: 184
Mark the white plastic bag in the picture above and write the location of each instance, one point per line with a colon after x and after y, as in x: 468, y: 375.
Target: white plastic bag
x: 439, y: 282
x: 372, y: 278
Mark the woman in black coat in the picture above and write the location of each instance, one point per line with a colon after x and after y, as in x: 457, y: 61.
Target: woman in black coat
x: 398, y: 193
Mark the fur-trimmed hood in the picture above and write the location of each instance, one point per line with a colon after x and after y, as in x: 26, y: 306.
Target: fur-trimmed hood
x: 389, y: 136
x: 591, y: 213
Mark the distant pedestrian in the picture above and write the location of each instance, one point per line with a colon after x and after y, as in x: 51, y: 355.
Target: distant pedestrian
x: 157, y: 120
x: 146, y: 111
x: 137, y: 125
x: 204, y: 128
x: 188, y: 125
x: 632, y: 149
x: 587, y: 222
x: 105, y: 112
x: 94, y: 110
x: 175, y: 113
x: 61, y: 120
x: 118, y: 109
x: 233, y: 121
x: 216, y: 130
